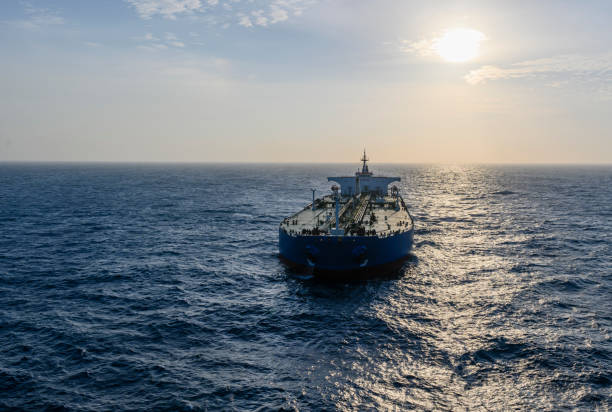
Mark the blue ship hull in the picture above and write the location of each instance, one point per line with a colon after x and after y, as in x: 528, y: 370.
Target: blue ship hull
x: 344, y: 253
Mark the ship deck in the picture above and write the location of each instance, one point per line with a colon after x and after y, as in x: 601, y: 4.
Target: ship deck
x: 363, y: 215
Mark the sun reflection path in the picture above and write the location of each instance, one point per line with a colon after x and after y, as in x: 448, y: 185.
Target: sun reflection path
x: 461, y: 330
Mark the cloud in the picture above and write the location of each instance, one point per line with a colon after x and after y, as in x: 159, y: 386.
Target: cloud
x: 260, y: 19
x: 150, y: 42
x: 246, y: 13
x: 38, y: 18
x: 245, y: 21
x: 598, y: 66
x: 456, y: 44
x: 296, y: 7
x: 169, y: 9
x: 153, y: 47
x: 422, y: 47
x: 277, y: 14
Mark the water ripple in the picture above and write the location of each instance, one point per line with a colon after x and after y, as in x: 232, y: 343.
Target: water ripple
x: 159, y: 287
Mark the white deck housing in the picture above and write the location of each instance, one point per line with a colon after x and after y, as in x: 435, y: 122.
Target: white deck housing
x: 364, y: 208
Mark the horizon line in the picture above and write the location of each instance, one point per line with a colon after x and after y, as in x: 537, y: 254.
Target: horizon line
x: 239, y: 162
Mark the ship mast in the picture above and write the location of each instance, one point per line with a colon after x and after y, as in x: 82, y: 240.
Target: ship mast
x: 364, y: 159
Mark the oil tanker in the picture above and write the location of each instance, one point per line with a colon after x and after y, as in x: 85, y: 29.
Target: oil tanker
x: 361, y: 225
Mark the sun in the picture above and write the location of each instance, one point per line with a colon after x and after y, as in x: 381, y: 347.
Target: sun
x: 459, y: 44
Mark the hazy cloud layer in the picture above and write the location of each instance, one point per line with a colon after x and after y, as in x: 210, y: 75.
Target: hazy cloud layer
x: 161, y: 80
x: 599, y: 66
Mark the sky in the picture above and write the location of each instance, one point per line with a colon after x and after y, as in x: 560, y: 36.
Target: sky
x: 306, y: 81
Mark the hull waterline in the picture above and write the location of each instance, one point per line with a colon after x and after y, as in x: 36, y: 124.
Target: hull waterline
x: 344, y: 253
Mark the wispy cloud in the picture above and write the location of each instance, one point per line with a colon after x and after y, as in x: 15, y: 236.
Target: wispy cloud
x: 172, y: 40
x: 249, y: 13
x: 169, y: 9
x: 260, y: 18
x: 278, y: 14
x: 245, y: 21
x: 296, y: 7
x: 421, y: 47
x: 456, y: 44
x: 38, y: 17
x: 151, y: 42
x: 599, y: 65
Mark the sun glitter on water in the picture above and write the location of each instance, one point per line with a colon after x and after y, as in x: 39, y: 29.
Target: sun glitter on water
x: 459, y: 44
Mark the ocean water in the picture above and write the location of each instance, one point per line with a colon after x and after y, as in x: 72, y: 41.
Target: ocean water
x: 158, y: 287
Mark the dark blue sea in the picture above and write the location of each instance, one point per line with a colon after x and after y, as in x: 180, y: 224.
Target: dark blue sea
x: 159, y: 287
